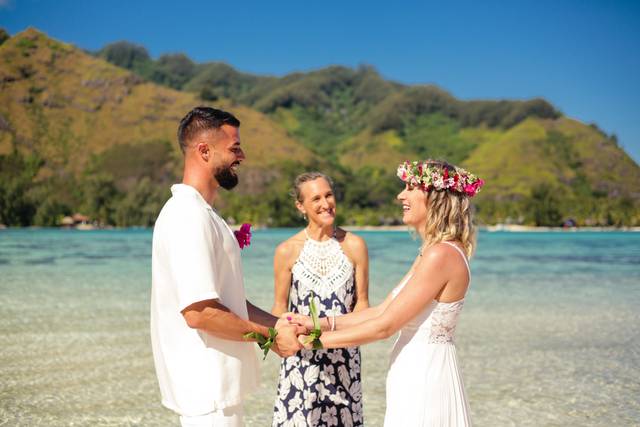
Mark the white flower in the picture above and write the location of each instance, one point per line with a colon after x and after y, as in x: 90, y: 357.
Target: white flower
x: 309, y: 398
x: 339, y: 398
x: 356, y: 407
x: 311, y: 374
x: 330, y: 416
x: 303, y: 292
x: 291, y: 363
x: 354, y: 365
x: 296, y: 379
x: 323, y: 392
x: 299, y: 420
x: 438, y: 183
x: 345, y: 415
x: 295, y: 403
x: 280, y: 414
x: 327, y: 375
x: 336, y: 356
x: 313, y: 417
x: 356, y: 391
x: 320, y: 305
x: 344, y: 376
x: 348, y: 300
x: 285, y: 386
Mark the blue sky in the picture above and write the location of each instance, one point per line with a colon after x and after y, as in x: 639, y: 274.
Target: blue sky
x: 583, y: 56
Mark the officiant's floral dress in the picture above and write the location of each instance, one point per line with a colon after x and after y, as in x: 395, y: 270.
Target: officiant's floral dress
x: 321, y: 388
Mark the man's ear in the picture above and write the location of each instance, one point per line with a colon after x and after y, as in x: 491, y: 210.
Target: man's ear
x: 204, y: 151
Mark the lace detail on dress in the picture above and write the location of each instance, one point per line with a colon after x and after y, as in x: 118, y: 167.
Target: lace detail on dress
x: 322, y: 267
x: 444, y: 319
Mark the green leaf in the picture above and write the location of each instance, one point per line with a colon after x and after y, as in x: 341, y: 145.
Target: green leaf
x: 314, y: 335
x: 260, y: 339
x: 263, y: 342
x: 272, y: 334
x: 314, y: 311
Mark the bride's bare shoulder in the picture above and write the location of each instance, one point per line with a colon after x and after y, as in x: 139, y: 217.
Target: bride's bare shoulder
x: 442, y: 256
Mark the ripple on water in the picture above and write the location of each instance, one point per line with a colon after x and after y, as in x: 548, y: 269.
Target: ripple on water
x: 40, y: 261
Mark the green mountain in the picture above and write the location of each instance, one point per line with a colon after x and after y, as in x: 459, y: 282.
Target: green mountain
x: 80, y: 134
x: 541, y: 167
x: 94, y: 133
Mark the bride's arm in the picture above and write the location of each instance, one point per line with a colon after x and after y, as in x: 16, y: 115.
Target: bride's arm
x: 342, y: 321
x: 429, y: 278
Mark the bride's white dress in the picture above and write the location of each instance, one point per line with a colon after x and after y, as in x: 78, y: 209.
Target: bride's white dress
x: 424, y: 384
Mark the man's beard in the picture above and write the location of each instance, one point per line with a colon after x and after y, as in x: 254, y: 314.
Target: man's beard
x: 226, y: 178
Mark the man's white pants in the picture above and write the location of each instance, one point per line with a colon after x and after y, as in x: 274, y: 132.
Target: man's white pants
x: 227, y: 417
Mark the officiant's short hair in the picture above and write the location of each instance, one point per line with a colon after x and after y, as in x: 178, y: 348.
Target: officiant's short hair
x: 200, y: 119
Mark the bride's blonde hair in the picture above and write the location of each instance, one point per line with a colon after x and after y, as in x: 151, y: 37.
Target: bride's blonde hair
x: 449, y: 216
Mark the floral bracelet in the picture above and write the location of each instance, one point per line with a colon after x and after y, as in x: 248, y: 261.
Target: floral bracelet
x: 265, y: 343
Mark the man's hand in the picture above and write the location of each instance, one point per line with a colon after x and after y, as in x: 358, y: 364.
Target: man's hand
x: 287, y: 340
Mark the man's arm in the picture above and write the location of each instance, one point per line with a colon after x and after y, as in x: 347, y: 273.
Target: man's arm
x: 213, y: 317
x: 260, y: 316
x: 287, y: 342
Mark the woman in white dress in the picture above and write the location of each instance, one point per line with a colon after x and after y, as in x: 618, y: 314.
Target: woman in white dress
x: 424, y: 384
x: 320, y: 388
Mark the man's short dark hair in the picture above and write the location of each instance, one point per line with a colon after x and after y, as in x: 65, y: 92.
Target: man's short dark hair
x: 200, y: 119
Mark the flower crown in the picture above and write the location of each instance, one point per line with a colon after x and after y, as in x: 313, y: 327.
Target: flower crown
x: 437, y: 176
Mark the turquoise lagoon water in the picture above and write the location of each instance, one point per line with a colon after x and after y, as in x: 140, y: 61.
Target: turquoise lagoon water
x: 550, y: 334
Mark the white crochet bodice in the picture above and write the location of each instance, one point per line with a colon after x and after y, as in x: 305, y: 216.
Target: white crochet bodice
x: 322, y: 267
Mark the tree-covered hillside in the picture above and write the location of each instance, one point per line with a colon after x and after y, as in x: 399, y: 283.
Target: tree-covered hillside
x: 542, y: 167
x: 96, y: 134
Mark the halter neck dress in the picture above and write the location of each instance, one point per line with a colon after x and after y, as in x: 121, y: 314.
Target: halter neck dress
x: 424, y: 383
x: 321, y: 387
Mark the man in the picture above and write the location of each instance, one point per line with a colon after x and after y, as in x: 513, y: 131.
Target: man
x: 199, y: 312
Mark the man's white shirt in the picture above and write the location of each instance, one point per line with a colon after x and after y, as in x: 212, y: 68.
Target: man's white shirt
x: 196, y: 257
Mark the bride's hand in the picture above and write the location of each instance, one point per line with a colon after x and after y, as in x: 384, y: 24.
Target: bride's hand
x: 298, y: 319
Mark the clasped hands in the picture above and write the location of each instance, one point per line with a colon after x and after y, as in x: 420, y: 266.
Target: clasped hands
x: 292, y: 334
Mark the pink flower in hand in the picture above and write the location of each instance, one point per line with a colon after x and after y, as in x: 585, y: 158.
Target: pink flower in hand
x: 243, y: 235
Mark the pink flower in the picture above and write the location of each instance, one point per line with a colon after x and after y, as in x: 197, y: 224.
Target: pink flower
x: 472, y: 189
x: 243, y: 235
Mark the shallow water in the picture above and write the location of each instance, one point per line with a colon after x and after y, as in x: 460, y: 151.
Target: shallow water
x: 550, y: 333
